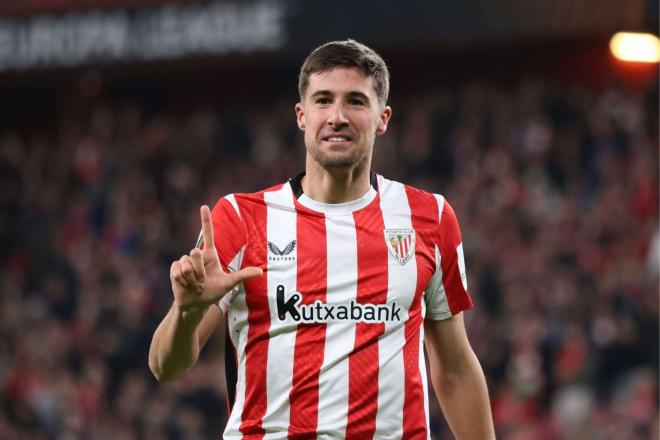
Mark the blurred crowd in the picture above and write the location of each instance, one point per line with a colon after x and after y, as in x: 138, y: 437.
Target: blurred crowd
x: 555, y: 188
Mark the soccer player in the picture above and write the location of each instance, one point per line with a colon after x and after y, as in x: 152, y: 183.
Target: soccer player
x: 331, y: 284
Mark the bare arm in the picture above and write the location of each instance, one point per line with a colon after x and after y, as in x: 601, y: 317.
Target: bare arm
x: 458, y: 380
x: 198, y: 282
x: 178, y: 340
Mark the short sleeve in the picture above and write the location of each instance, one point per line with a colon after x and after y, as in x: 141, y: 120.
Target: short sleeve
x: 229, y: 237
x: 447, y: 293
x: 228, y: 233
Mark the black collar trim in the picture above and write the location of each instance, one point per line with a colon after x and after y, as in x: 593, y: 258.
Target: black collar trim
x: 296, y: 183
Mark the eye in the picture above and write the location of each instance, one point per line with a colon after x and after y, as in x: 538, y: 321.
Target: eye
x: 322, y: 101
x: 356, y: 101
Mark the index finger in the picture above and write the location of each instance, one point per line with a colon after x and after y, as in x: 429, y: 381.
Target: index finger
x: 207, y: 227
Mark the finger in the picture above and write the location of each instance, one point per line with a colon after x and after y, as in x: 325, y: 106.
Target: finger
x: 176, y: 275
x: 244, y: 275
x: 187, y: 270
x: 207, y: 227
x: 197, y: 260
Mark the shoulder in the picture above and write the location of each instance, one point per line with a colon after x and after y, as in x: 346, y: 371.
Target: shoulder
x: 243, y: 206
x: 237, y: 202
x: 392, y: 188
x: 233, y: 215
x: 422, y: 204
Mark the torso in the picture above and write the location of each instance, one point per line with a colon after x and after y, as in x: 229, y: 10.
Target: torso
x: 328, y: 343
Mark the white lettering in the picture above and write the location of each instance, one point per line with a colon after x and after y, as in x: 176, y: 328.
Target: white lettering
x: 156, y: 33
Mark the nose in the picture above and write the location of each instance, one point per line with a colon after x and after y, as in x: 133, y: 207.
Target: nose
x: 337, y: 120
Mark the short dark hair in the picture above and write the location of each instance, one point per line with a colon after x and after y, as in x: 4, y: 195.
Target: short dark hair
x: 346, y: 53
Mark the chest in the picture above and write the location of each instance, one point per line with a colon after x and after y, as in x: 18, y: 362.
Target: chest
x: 366, y: 258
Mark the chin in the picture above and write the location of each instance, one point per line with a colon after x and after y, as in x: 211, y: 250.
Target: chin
x: 339, y: 160
x: 338, y: 163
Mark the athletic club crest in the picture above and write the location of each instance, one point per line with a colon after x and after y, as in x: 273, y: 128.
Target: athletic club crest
x: 401, y: 243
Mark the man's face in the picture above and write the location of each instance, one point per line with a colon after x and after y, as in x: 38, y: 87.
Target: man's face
x: 341, y: 117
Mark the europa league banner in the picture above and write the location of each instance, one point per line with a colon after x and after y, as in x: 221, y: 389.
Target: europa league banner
x: 217, y: 28
x: 161, y: 32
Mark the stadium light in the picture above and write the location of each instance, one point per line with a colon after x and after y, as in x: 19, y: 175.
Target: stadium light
x: 632, y: 46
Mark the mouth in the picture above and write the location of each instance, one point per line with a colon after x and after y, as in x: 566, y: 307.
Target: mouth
x: 337, y: 139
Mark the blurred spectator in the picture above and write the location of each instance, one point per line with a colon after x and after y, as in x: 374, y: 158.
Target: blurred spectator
x: 556, y: 190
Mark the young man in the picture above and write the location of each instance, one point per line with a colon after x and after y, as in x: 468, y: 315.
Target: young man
x: 331, y: 283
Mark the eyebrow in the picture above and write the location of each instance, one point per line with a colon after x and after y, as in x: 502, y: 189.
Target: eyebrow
x: 352, y: 94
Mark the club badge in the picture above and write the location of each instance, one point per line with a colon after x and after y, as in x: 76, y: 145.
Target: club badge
x: 401, y: 243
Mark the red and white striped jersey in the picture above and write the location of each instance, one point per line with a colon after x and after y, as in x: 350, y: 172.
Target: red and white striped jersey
x: 328, y: 343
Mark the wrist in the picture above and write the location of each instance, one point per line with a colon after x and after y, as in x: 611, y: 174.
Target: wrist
x: 190, y: 314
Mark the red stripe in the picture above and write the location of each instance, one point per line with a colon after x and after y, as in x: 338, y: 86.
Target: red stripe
x: 372, y: 289
x: 457, y: 298
x: 228, y: 231
x: 310, y: 338
x: 424, y: 214
x: 253, y: 210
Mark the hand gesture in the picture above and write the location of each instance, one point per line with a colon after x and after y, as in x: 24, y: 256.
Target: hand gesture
x: 198, y: 279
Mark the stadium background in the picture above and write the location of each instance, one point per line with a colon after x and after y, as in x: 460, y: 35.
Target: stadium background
x: 119, y: 118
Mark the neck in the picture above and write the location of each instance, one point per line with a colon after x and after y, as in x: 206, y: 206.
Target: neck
x: 335, y: 186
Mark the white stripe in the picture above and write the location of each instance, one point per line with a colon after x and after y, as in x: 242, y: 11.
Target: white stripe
x: 281, y: 230
x: 422, y: 372
x: 401, y: 282
x: 237, y: 323
x: 441, y: 205
x: 238, y: 332
x: 435, y: 295
x: 232, y: 200
x: 340, y: 336
x: 461, y: 265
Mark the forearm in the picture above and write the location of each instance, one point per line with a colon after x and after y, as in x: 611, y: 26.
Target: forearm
x: 198, y: 284
x: 175, y: 344
x: 463, y: 396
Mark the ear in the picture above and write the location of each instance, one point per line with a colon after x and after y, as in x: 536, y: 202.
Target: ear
x: 383, y: 119
x: 300, y: 116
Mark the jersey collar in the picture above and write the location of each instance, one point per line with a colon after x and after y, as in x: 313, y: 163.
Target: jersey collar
x: 334, y: 208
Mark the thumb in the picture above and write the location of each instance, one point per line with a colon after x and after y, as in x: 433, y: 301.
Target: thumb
x: 244, y: 274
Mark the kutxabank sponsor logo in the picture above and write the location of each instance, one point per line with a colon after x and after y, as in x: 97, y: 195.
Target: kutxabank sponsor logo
x: 320, y: 312
x: 277, y: 254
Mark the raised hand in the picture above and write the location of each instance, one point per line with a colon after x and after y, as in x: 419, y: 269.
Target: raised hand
x: 198, y: 279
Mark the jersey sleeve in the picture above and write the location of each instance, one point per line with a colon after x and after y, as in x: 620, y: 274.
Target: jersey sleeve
x: 447, y: 292
x: 229, y: 237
